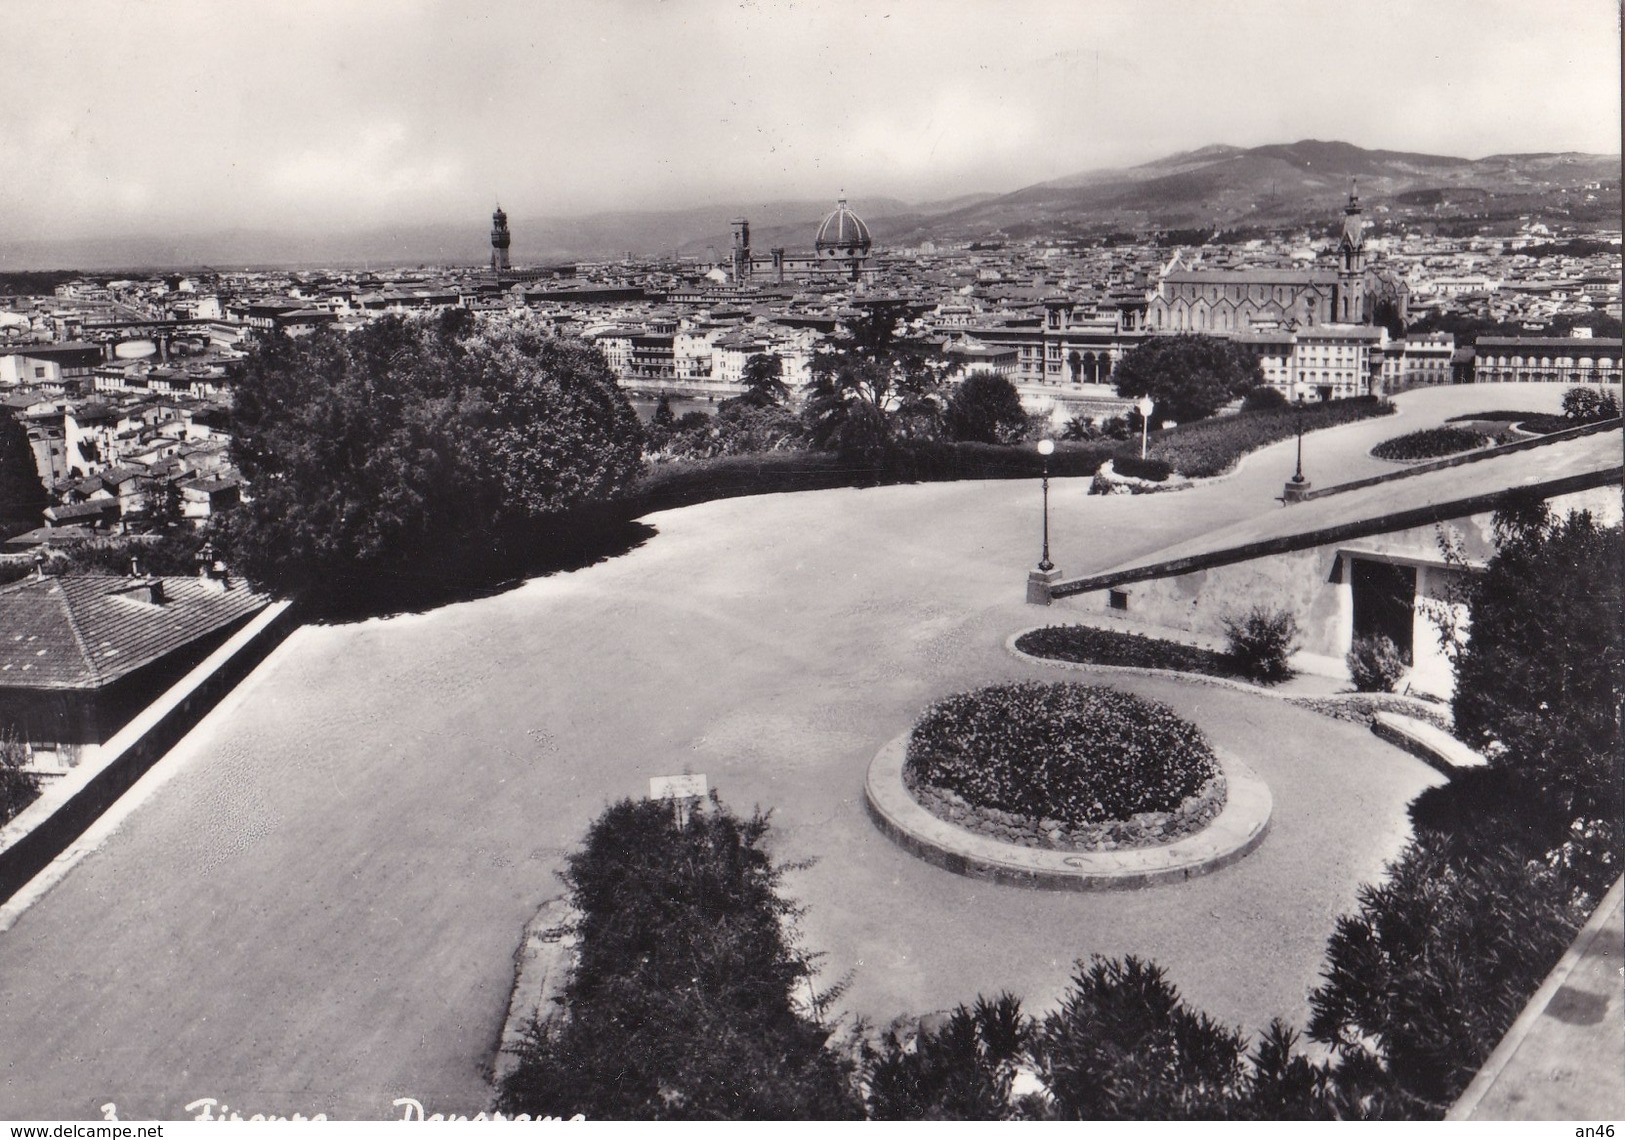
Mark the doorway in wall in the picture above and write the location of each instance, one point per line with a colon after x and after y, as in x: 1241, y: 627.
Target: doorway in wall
x: 1385, y: 602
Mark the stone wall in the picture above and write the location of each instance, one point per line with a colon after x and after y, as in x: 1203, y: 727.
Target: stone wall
x: 1145, y: 829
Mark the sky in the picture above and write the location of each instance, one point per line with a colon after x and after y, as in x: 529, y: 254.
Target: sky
x: 179, y: 116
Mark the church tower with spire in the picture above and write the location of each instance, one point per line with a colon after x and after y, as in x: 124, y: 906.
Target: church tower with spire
x: 1350, y: 306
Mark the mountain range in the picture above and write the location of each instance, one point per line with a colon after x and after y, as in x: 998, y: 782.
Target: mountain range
x: 1218, y: 187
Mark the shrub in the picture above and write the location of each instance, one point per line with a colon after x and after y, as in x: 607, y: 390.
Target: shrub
x: 1261, y: 641
x: 963, y: 1070
x: 681, y: 1003
x: 740, y: 427
x: 1133, y: 467
x: 1421, y: 984
x: 1123, y: 1046
x: 18, y: 786
x: 1079, y: 430
x: 1073, y: 753
x: 1375, y: 664
x: 1590, y: 405
x: 1431, y: 443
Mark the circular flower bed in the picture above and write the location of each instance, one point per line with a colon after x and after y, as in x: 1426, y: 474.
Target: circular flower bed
x: 1433, y: 443
x: 1064, y: 765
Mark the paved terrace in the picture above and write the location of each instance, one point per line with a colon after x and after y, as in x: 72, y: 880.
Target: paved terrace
x: 316, y: 903
x: 1421, y: 499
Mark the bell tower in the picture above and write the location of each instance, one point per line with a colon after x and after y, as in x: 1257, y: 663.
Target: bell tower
x: 742, y: 264
x: 500, y: 239
x: 1350, y: 306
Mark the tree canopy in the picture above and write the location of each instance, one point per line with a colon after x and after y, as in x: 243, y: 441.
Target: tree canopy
x: 985, y: 408
x: 1187, y: 376
x: 420, y: 447
x: 872, y: 386
x: 1543, y: 671
x: 764, y: 381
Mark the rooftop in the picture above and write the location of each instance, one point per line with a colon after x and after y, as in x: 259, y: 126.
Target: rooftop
x: 84, y: 631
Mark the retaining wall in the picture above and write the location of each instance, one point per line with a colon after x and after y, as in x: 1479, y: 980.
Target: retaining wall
x: 68, y: 806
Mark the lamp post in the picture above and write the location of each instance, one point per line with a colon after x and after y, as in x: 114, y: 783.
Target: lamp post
x: 1046, y: 448
x: 1144, y: 408
x: 1298, y: 486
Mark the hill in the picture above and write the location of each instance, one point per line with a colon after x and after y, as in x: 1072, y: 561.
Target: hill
x: 1298, y: 183
x: 1278, y: 186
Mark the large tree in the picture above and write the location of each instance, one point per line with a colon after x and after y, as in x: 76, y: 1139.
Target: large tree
x: 22, y: 495
x: 417, y: 449
x: 1187, y: 376
x: 763, y: 377
x: 873, y: 385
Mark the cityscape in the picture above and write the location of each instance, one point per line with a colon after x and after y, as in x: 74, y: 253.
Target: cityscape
x: 975, y: 589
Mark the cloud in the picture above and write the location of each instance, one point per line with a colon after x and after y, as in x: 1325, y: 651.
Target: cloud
x: 378, y: 167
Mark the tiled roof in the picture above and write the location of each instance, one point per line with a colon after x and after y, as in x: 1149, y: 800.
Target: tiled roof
x: 1253, y: 276
x: 84, y: 631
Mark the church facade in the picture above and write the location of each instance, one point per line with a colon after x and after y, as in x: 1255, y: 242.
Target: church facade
x: 1228, y: 302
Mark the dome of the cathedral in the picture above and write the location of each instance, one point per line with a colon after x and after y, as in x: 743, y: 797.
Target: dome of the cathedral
x: 843, y: 231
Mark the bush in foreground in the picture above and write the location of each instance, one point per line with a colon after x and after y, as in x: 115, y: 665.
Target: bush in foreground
x: 682, y: 1005
x: 1078, y: 754
x: 1375, y: 664
x: 1423, y: 980
x: 1261, y: 641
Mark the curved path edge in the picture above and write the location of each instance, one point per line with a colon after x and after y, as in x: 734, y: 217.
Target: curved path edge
x: 1237, y: 830
x: 1195, y: 678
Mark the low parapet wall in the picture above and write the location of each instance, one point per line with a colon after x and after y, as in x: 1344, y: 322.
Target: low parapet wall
x: 68, y: 806
x: 1476, y: 456
x: 1381, y: 523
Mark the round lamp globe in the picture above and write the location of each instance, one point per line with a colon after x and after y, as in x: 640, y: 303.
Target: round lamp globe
x: 1046, y: 447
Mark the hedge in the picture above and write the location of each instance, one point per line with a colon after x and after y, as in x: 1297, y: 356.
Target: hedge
x: 1430, y: 443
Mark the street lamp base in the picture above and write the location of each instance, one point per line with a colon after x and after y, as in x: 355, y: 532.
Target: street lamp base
x: 1295, y: 492
x: 1039, y: 582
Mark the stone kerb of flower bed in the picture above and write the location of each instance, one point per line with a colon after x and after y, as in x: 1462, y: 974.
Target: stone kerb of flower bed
x: 1109, y: 481
x: 1064, y: 766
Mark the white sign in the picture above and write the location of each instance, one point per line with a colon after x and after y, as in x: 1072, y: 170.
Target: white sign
x: 677, y: 787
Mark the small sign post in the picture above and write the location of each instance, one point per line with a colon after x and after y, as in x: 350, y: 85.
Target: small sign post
x: 681, y: 791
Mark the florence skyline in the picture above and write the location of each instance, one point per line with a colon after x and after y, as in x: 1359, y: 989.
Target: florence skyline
x: 176, y: 116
